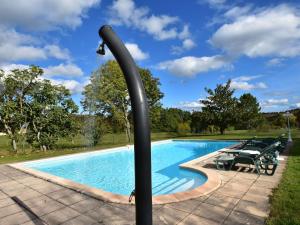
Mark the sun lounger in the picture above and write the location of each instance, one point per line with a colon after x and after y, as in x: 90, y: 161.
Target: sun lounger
x: 265, y: 159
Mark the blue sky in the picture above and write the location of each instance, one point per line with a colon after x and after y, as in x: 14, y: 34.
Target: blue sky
x: 189, y: 46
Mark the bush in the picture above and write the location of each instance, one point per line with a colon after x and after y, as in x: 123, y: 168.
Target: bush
x: 183, y: 128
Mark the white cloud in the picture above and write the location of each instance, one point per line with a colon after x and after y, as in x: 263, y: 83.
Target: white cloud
x: 266, y: 32
x: 190, y: 66
x: 270, y: 103
x: 190, y: 106
x: 69, y: 70
x: 34, y: 15
x: 44, y: 15
x: 246, y: 86
x: 161, y: 27
x: 8, y: 67
x: 134, y: 50
x: 246, y: 78
x: 66, y: 70
x: 58, y: 53
x: 185, y: 33
x: 15, y: 46
x: 187, y: 44
x: 214, y: 3
x: 126, y: 12
x: 241, y: 83
x: 74, y: 86
x: 9, y: 52
x: 238, y: 11
x: 298, y: 105
x: 275, y: 62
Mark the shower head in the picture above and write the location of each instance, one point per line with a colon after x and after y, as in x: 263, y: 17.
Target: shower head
x: 101, y: 49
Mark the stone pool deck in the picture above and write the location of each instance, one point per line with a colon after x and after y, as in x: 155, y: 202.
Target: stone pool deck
x: 242, y: 198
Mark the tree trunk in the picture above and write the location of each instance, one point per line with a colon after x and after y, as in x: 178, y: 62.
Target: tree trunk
x: 128, y: 130
x: 222, y: 130
x: 127, y: 123
x: 11, y: 136
x: 14, y: 145
x: 43, y: 148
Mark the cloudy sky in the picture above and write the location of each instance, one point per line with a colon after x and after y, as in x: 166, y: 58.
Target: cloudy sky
x: 189, y: 46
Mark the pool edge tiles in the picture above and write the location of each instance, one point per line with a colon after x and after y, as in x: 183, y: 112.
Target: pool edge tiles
x: 213, y: 182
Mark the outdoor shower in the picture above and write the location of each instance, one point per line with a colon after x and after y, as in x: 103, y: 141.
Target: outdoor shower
x: 139, y: 105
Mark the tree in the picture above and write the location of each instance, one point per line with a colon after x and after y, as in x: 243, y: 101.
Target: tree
x: 16, y: 87
x: 248, y: 112
x: 107, y: 94
x: 172, y: 117
x: 220, y: 106
x: 297, y: 114
x: 183, y: 128
x: 200, y: 122
x: 279, y: 120
x: 33, y: 108
x: 93, y: 128
x: 50, y: 110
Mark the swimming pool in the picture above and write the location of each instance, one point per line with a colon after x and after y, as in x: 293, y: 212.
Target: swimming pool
x: 113, y: 170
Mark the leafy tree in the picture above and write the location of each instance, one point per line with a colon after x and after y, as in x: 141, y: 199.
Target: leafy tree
x: 183, y: 128
x: 220, y: 106
x: 93, y: 129
x: 33, y: 108
x: 293, y: 120
x: 107, y: 94
x: 172, y: 117
x: 248, y: 112
x: 155, y: 117
x: 279, y: 120
x: 16, y: 87
x: 169, y: 120
x: 50, y: 110
x: 200, y: 122
x: 297, y: 114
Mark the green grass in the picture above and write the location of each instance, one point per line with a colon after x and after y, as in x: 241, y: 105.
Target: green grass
x: 285, y: 209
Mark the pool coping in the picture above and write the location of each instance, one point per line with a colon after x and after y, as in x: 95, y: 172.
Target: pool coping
x: 213, y: 180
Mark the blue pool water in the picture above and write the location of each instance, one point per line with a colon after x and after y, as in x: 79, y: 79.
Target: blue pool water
x: 113, y: 171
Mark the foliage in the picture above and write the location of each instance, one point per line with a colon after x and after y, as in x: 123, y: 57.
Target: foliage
x: 93, y: 129
x: 279, y: 120
x: 172, y: 117
x: 220, y: 106
x: 13, y: 108
x: 199, y: 122
x: 34, y: 109
x: 50, y: 111
x: 107, y: 94
x: 155, y: 117
x: 293, y: 120
x: 248, y: 112
x: 297, y: 114
x: 183, y: 128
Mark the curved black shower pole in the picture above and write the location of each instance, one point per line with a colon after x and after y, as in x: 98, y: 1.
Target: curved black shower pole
x: 142, y: 141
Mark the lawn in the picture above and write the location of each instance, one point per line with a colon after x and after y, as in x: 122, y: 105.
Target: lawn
x: 285, y: 201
